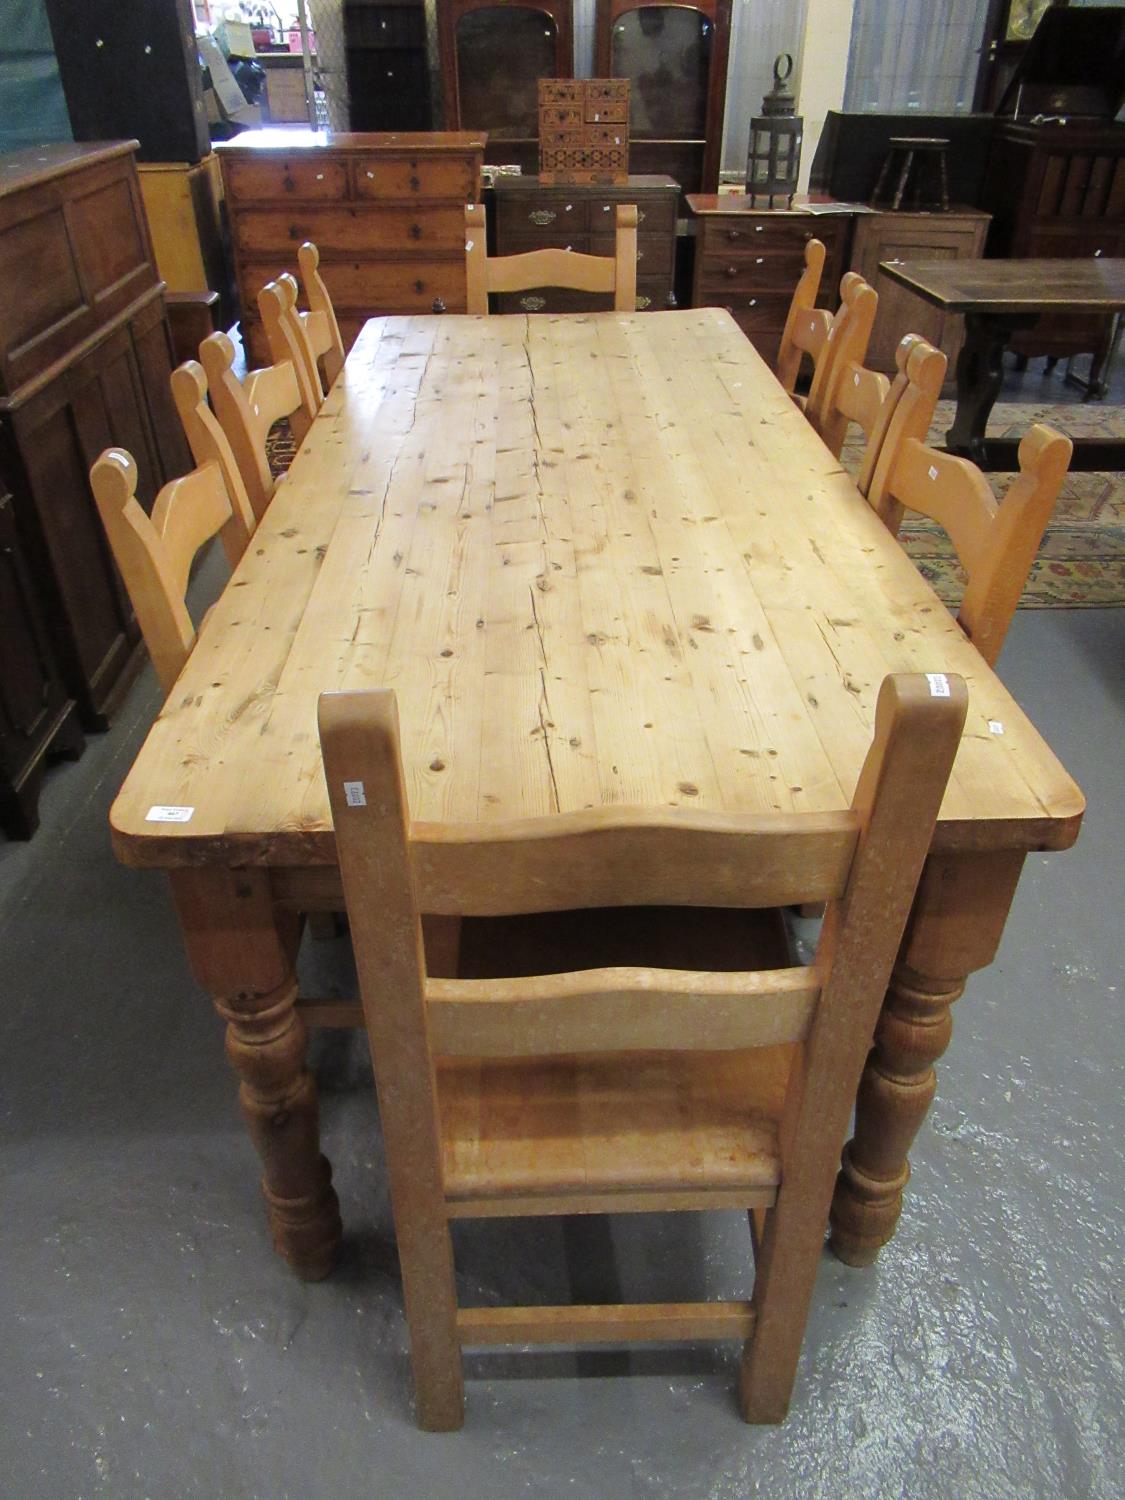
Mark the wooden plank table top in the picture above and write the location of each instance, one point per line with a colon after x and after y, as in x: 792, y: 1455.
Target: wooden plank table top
x: 604, y: 561
x: 1091, y: 284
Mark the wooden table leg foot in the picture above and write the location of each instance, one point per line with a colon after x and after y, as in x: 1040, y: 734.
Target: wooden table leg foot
x: 959, y: 913
x: 265, y: 1043
x: 895, y: 1094
x: 242, y: 950
x: 306, y: 1231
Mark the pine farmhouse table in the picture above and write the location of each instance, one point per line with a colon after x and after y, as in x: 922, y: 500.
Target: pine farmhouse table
x: 603, y: 560
x: 999, y: 298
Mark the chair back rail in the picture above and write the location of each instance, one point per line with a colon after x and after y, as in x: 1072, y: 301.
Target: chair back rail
x: 208, y: 444
x: 845, y: 345
x: 553, y: 266
x: 997, y: 542
x: 806, y: 325
x: 907, y: 413
x: 154, y: 554
x: 247, y: 409
x: 320, y: 323
x: 288, y: 339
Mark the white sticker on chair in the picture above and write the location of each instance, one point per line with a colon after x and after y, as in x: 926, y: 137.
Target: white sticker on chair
x: 933, y: 472
x: 354, y: 794
x: 939, y: 684
x: 995, y: 726
x: 164, y: 814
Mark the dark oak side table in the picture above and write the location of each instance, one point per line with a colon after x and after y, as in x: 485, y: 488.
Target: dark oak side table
x: 1000, y: 298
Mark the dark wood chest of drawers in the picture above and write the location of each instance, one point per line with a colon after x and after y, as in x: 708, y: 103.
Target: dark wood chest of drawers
x: 531, y: 217
x: 387, y: 213
x: 749, y: 261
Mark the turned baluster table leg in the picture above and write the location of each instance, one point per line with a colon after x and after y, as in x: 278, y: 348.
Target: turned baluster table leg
x: 955, y: 927
x: 242, y: 951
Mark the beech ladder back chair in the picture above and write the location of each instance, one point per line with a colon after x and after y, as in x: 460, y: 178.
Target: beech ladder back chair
x: 154, y: 554
x: 920, y: 373
x: 287, y: 339
x: 997, y: 542
x: 870, y: 400
x: 552, y: 267
x: 247, y: 409
x: 208, y: 444
x: 321, y: 328
x: 806, y: 325
x: 846, y: 344
x: 626, y: 1089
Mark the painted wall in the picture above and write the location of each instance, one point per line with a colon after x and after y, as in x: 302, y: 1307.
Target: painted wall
x: 823, y: 70
x: 32, y: 108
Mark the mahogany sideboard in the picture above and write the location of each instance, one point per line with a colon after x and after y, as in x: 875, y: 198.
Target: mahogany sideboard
x: 386, y: 211
x: 85, y: 360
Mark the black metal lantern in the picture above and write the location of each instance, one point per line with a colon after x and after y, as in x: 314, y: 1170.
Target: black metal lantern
x: 774, y: 160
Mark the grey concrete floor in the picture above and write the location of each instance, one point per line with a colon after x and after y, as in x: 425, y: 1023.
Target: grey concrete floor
x: 152, y: 1345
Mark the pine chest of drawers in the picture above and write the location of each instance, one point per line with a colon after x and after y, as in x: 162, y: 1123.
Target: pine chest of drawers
x: 386, y: 211
x: 582, y: 217
x: 749, y: 261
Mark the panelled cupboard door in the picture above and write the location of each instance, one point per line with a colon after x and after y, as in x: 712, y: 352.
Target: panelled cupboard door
x: 913, y: 236
x: 32, y: 697
x: 102, y: 401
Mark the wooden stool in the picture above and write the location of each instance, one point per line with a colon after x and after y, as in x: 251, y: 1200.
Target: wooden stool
x: 902, y: 151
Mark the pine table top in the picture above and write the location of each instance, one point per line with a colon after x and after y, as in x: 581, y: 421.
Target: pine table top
x: 604, y: 561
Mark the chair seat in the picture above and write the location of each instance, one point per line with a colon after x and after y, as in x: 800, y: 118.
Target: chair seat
x: 570, y: 1133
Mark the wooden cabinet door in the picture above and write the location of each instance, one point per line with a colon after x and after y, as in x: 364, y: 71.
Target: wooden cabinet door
x: 884, y: 237
x: 33, y: 701
x: 31, y: 692
x: 101, y: 401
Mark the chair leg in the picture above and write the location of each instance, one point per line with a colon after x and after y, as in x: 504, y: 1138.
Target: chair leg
x: 430, y: 1296
x: 788, y: 1256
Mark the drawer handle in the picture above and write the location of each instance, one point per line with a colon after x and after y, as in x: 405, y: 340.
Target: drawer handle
x: 731, y: 271
x: 760, y: 260
x: 371, y: 175
x: 295, y: 233
x: 640, y: 255
x: 643, y: 302
x: 415, y: 231
x: 758, y: 228
x: 437, y: 306
x: 753, y: 302
x: 320, y: 177
x: 419, y: 286
x: 734, y: 234
x: 533, y: 304
x: 287, y: 183
x: 415, y: 184
x: 1096, y: 254
x: 542, y: 216
x: 640, y: 215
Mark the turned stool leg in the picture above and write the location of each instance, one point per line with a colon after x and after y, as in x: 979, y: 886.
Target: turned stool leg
x: 241, y: 950
x: 959, y: 914
x: 903, y: 176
